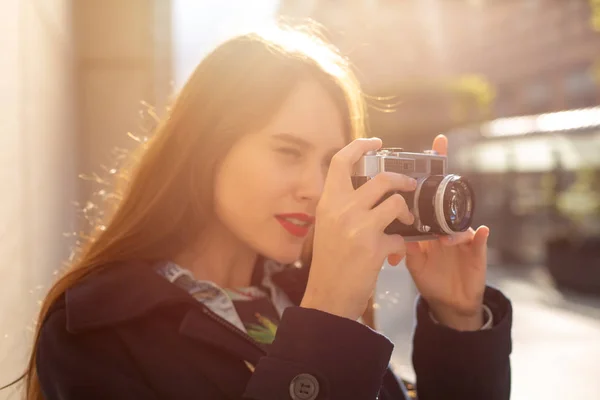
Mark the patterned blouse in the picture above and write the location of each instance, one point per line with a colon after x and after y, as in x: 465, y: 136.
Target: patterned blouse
x: 255, y: 310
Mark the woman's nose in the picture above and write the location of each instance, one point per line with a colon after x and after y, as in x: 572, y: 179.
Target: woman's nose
x: 311, y: 185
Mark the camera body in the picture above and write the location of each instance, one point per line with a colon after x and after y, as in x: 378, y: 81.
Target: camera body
x: 442, y: 203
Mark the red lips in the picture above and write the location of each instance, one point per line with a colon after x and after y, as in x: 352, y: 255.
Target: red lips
x: 297, y: 224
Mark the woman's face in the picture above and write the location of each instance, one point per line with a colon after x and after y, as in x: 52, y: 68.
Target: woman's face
x: 268, y: 185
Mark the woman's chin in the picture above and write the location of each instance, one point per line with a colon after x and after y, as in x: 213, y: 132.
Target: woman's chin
x: 285, y: 257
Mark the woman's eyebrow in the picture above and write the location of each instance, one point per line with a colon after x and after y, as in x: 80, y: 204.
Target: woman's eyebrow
x: 291, y: 138
x: 294, y: 139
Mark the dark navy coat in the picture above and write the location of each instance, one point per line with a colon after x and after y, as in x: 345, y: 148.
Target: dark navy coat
x: 127, y: 333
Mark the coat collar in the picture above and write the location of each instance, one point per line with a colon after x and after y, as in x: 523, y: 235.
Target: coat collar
x: 125, y: 291
x: 118, y: 293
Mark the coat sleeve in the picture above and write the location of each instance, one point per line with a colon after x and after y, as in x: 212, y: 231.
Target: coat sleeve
x: 464, y: 365
x: 70, y: 367
x: 316, y: 355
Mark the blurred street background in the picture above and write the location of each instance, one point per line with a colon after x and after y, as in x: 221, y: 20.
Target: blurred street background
x: 515, y: 84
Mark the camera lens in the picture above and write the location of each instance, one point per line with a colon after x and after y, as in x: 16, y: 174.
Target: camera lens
x: 457, y: 207
x: 445, y: 203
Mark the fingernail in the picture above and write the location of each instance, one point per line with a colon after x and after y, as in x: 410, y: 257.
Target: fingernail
x: 413, y: 183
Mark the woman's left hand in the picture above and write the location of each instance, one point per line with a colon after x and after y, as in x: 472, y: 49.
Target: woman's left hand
x: 450, y: 273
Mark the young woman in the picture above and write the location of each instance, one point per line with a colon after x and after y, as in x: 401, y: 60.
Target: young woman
x: 192, y: 290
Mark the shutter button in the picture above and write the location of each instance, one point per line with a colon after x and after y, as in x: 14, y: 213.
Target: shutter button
x: 304, y: 387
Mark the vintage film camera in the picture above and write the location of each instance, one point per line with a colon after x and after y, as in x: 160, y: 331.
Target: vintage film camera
x: 442, y: 203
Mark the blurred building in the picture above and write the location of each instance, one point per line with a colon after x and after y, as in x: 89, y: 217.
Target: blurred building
x: 539, y: 54
x: 397, y: 50
x: 536, y: 55
x: 541, y: 57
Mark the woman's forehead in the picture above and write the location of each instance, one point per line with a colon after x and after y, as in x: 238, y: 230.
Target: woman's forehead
x: 309, y: 114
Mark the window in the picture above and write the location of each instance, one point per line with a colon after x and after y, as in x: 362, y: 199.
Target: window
x: 505, y: 103
x: 581, y: 89
x: 537, y: 97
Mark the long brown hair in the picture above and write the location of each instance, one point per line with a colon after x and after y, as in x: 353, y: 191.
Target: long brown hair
x: 234, y: 90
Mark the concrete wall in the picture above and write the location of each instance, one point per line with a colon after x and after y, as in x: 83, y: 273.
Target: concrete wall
x: 72, y: 76
x: 37, y: 163
x: 121, y: 59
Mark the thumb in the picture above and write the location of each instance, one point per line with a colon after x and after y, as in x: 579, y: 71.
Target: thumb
x: 479, y: 243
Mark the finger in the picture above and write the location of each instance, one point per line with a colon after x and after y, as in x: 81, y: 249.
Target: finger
x: 479, y: 243
x: 414, y: 248
x: 375, y: 189
x: 343, y: 161
x: 458, y: 238
x: 440, y: 144
x: 395, y: 258
x: 307, y: 248
x: 415, y: 256
x: 394, y: 207
x: 394, y: 245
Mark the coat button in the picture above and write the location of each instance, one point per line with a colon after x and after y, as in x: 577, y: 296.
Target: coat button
x: 304, y: 387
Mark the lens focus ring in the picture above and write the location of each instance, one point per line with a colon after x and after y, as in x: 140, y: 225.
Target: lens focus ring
x: 453, y: 204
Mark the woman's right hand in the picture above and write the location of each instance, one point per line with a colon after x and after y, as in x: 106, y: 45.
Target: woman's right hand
x: 350, y: 245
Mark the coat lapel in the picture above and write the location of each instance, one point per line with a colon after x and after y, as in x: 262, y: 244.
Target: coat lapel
x: 200, y: 324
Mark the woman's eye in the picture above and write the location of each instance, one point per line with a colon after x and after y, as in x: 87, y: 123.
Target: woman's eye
x: 290, y: 152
